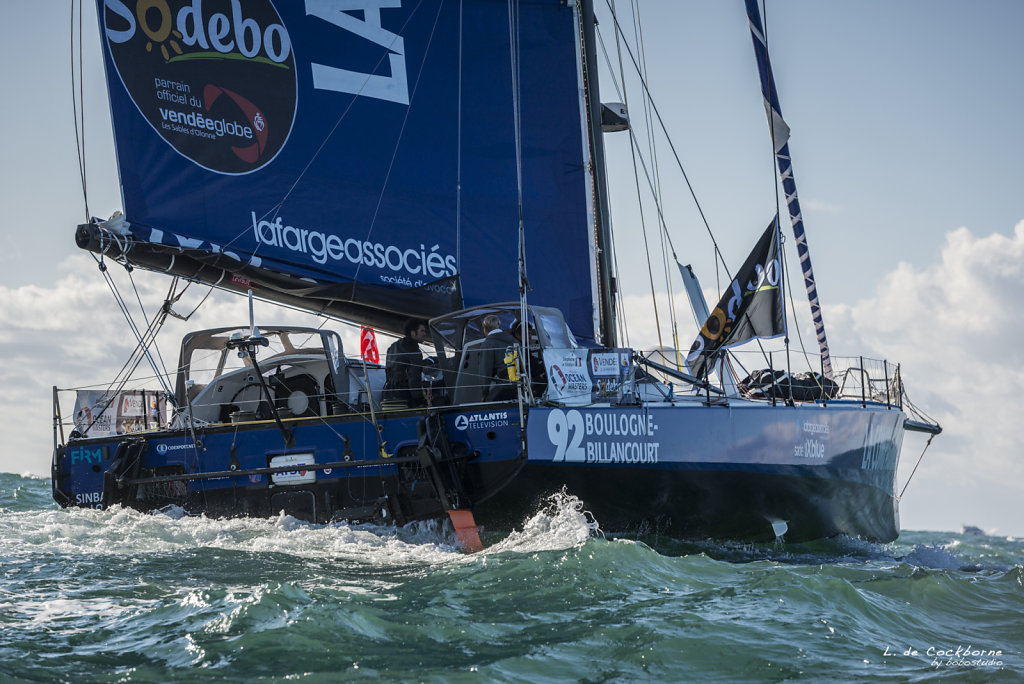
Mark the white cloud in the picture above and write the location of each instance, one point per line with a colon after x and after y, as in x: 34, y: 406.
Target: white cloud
x: 956, y: 327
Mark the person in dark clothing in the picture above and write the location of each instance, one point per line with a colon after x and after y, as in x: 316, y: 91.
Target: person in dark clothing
x: 404, y: 364
x: 493, y: 362
x: 538, y: 373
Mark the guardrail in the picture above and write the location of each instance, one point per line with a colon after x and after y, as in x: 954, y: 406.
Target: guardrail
x: 868, y: 380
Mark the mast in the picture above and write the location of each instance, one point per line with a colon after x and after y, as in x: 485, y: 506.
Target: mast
x: 603, y: 242
x: 780, y: 137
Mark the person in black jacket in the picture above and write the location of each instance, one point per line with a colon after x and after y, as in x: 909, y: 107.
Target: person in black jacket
x: 493, y: 364
x: 404, y: 364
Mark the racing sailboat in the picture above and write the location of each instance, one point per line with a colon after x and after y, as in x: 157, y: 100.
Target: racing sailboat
x: 383, y: 160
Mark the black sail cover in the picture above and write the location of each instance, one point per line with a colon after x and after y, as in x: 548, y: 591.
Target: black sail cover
x: 752, y: 306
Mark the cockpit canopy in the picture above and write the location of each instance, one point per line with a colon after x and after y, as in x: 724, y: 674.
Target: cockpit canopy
x: 452, y: 332
x: 205, y: 354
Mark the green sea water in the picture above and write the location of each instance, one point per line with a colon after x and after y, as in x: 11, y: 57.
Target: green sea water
x: 121, y: 596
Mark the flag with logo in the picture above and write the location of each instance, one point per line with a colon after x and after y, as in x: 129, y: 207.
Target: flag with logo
x: 751, y: 307
x: 368, y: 345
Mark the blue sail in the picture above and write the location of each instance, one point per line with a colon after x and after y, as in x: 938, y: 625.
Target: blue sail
x: 354, y: 157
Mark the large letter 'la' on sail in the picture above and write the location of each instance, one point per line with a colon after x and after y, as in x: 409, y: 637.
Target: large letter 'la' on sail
x: 751, y: 307
x: 353, y: 158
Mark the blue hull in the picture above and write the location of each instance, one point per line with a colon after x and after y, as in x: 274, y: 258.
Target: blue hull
x: 724, y: 472
x: 688, y: 471
x: 337, y: 467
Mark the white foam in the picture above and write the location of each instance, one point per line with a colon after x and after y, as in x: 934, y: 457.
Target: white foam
x: 562, y: 524
x: 120, y: 531
x: 125, y: 532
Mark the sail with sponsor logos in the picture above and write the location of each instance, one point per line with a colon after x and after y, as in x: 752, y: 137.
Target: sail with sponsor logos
x: 355, y: 158
x: 751, y: 307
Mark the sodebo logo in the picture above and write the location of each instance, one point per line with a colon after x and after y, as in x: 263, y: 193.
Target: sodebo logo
x: 224, y: 32
x: 215, y: 78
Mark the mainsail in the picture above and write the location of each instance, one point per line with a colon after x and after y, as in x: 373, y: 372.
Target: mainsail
x: 355, y: 158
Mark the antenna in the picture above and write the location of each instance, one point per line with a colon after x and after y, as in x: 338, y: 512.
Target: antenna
x: 252, y: 320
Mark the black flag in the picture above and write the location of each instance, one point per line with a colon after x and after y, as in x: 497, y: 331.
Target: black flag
x: 751, y: 307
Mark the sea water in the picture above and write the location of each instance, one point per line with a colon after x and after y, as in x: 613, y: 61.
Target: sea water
x: 121, y: 596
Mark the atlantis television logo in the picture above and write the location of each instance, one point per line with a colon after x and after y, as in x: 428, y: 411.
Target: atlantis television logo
x: 214, y: 78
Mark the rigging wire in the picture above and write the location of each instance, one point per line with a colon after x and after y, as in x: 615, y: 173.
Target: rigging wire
x: 144, y: 341
x: 401, y: 133
x: 149, y: 326
x: 778, y: 212
x: 78, y: 104
x: 173, y: 300
x: 778, y: 215
x: 643, y: 165
x: 640, y: 157
x: 675, y: 154
x: 273, y: 211
x: 524, y: 284
x: 792, y: 308
x: 919, y: 459
x: 624, y: 93
x: 638, y: 31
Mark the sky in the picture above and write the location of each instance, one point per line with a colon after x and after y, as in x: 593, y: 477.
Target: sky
x: 908, y: 155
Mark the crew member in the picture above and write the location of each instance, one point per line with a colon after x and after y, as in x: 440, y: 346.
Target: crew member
x: 498, y: 386
x: 404, y: 364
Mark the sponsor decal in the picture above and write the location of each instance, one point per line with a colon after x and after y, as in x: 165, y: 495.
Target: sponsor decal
x: 603, y: 436
x: 102, y: 414
x: 811, y: 448
x: 393, y: 88
x: 478, y: 421
x: 817, y: 428
x: 605, y: 365
x: 568, y: 376
x: 297, y: 476
x: 93, y: 415
x: 427, y: 262
x: 163, y: 448
x: 816, y: 437
x: 216, y: 79
x: 132, y: 405
x: 87, y: 454
x: 89, y: 499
